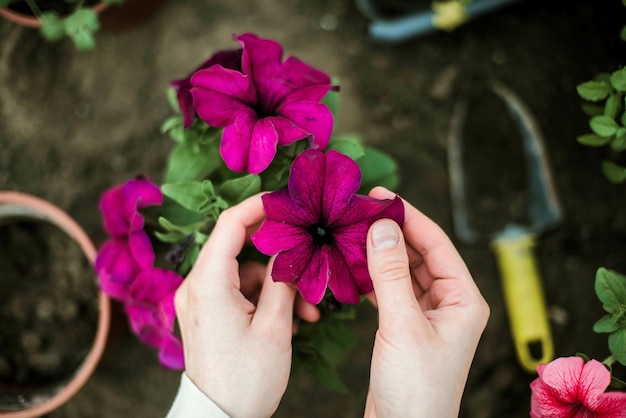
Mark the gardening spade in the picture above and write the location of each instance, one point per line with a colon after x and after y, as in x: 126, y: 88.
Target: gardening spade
x: 513, y: 242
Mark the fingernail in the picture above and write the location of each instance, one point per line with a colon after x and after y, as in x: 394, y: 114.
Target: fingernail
x: 385, y: 234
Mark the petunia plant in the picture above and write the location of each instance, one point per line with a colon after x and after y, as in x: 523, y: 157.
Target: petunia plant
x: 248, y: 120
x: 577, y: 386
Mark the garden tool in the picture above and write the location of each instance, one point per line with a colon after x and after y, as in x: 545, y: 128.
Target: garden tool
x: 513, y: 242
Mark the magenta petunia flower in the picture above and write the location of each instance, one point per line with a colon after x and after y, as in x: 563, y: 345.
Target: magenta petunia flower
x: 229, y: 59
x: 269, y: 102
x: 569, y: 387
x: 318, y: 227
x: 151, y: 313
x: 129, y: 250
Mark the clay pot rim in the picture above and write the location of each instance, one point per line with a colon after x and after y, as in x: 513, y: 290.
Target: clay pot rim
x: 40, y: 209
x: 31, y: 21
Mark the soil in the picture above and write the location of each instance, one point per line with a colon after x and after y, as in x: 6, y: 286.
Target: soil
x: 48, y: 308
x: 62, y: 7
x: 75, y: 124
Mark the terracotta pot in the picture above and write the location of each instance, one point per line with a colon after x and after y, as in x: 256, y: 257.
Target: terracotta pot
x: 112, y: 18
x: 18, y: 206
x: 31, y: 21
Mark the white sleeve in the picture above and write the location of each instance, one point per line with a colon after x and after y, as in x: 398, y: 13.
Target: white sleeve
x: 192, y: 402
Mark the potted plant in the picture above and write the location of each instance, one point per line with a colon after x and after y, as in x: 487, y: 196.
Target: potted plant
x: 57, y: 19
x: 30, y: 290
x: 157, y: 230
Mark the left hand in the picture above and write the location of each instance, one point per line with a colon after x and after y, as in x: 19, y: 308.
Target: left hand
x: 236, y: 351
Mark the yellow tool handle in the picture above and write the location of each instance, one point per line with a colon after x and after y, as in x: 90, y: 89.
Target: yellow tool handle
x: 524, y: 299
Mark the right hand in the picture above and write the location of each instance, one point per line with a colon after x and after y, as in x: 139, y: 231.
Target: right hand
x: 430, y: 318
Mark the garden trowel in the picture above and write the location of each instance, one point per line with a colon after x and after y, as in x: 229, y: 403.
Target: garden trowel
x: 512, y: 226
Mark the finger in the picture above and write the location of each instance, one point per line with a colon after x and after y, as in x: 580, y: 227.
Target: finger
x: 218, y: 255
x: 276, y: 303
x: 306, y: 311
x: 429, y: 241
x: 388, y: 266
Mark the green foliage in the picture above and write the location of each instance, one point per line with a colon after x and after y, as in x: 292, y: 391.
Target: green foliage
x: 319, y: 346
x: 607, y: 116
x: 378, y: 169
x: 80, y: 25
x: 610, y: 287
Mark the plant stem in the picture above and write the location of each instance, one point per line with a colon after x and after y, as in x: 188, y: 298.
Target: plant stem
x: 33, y: 7
x: 609, y: 361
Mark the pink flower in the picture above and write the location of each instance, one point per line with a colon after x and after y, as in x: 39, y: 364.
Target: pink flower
x: 151, y: 313
x: 129, y: 250
x: 318, y: 227
x: 229, y: 59
x: 270, y: 102
x: 567, y: 387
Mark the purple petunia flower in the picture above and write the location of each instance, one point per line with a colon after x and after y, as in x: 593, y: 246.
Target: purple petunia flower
x: 129, y: 250
x: 269, y: 102
x: 229, y: 59
x: 318, y: 227
x: 151, y: 313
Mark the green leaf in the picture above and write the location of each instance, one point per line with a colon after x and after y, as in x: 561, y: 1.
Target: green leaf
x: 614, y: 172
x: 591, y: 109
x: 349, y: 145
x: 617, y: 383
x: 610, y: 287
x: 594, y: 90
x: 191, y: 255
x: 325, y: 373
x: 185, y: 229
x: 613, y: 105
x: 623, y: 119
x: 5, y: 3
x: 583, y: 356
x: 377, y: 169
x: 603, y: 125
x: 172, y: 99
x: 331, y: 100
x: 238, y: 189
x: 192, y: 162
x: 622, y: 33
x: 114, y: 2
x: 80, y: 26
x: 170, y: 237
x: 605, y: 324
x: 174, y: 127
x: 593, y: 140
x: 191, y: 194
x: 52, y: 26
x: 618, y: 79
x: 617, y: 345
x: 619, y: 142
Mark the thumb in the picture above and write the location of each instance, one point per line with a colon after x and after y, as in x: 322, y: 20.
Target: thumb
x: 388, y: 265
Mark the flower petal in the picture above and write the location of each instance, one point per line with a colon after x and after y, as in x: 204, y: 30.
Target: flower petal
x: 351, y: 243
x: 274, y: 237
x: 280, y: 206
x: 115, y: 262
x: 340, y: 281
x: 171, y: 353
x: 314, y: 279
x: 145, y: 323
x: 140, y: 247
x: 216, y: 109
x: 306, y: 181
x: 342, y: 179
x: 594, y: 380
x: 185, y: 103
x: 299, y: 74
x: 112, y: 209
x: 315, y: 118
x: 140, y: 193
x: 235, y: 146
x: 544, y: 402
x: 564, y: 375
x: 369, y: 209
x: 611, y: 404
x: 261, y: 58
x: 262, y: 145
x: 152, y: 285
x: 289, y: 265
x: 288, y: 132
x: 167, y: 310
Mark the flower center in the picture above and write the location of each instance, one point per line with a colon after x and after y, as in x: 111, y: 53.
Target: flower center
x: 321, y: 234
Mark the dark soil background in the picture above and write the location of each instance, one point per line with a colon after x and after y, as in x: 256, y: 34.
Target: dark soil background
x: 74, y: 124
